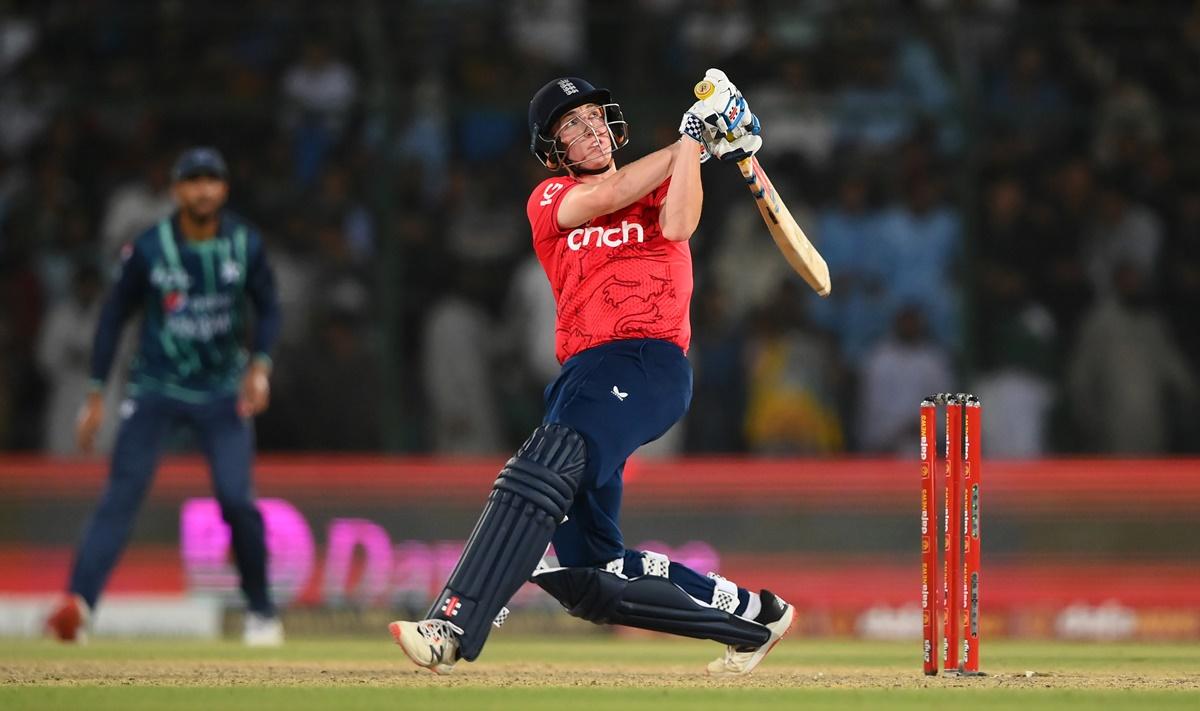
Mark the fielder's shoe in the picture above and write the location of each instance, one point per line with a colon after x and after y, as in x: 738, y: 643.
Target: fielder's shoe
x: 432, y: 644
x: 69, y: 620
x: 777, y: 615
x: 262, y: 630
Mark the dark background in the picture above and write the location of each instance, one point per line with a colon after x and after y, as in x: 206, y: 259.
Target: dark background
x: 1007, y: 194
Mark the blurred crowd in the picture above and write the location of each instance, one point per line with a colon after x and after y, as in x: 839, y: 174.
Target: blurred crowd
x: 1007, y: 194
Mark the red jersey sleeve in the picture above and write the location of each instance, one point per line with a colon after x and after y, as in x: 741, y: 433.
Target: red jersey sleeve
x: 542, y: 208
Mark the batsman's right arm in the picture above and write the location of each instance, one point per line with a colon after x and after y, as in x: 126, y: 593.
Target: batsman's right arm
x: 620, y: 189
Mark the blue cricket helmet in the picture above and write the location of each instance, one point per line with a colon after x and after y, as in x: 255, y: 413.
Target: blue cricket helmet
x: 558, y: 97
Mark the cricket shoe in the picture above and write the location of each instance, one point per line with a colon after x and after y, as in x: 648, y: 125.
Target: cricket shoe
x: 777, y: 616
x: 432, y: 644
x: 262, y: 630
x: 69, y: 620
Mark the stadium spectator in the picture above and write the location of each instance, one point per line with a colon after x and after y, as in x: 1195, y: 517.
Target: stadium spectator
x: 1018, y: 389
x: 455, y: 358
x: 924, y: 236
x: 792, y: 381
x: 1008, y: 244
x: 850, y: 236
x: 1123, y: 232
x: 376, y: 114
x: 743, y: 250
x: 63, y: 347
x: 1027, y: 95
x: 897, y: 372
x: 1126, y: 372
x: 798, y: 112
x: 131, y: 206
x: 873, y: 111
x: 319, y: 92
x: 30, y: 96
x: 1062, y: 280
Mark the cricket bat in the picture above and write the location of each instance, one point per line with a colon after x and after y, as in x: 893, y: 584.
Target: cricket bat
x: 791, y: 240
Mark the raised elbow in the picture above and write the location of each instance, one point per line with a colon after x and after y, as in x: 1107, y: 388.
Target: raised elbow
x: 677, y: 234
x: 677, y: 227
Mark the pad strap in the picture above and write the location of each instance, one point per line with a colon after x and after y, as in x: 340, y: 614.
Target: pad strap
x: 725, y: 594
x: 656, y: 564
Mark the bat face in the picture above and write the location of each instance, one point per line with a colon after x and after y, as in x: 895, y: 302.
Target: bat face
x: 791, y: 240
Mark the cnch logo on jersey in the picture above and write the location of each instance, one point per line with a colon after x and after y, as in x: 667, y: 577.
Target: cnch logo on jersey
x: 581, y: 237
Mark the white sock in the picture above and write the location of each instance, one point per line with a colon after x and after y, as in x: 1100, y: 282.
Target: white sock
x: 753, y: 607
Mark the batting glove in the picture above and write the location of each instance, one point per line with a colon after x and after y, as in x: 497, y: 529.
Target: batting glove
x: 724, y: 107
x: 745, y: 141
x: 694, y: 128
x: 738, y: 149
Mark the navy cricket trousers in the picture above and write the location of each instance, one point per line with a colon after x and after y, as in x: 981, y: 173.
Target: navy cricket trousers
x: 227, y: 442
x: 619, y: 396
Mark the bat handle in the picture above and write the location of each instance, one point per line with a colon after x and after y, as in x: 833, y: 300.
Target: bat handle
x: 746, y: 165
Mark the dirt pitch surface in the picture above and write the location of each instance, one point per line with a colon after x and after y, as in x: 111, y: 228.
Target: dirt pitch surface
x: 508, y: 675
x: 597, y: 670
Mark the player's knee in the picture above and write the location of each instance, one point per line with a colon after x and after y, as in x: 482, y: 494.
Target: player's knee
x: 547, y: 469
x: 587, y: 593
x: 647, y: 602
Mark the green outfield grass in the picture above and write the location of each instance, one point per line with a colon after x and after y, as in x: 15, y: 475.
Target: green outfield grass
x: 575, y: 673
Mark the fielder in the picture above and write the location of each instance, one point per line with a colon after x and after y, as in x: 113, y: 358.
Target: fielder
x: 614, y: 245
x: 190, y: 276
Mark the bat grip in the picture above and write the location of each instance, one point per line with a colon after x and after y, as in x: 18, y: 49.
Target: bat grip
x: 746, y: 165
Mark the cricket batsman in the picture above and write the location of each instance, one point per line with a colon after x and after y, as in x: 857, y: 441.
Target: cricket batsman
x: 190, y: 276
x: 614, y: 245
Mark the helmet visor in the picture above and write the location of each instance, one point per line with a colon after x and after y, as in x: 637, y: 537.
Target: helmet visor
x: 591, y: 132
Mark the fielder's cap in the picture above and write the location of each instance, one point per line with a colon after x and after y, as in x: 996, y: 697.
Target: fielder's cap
x: 198, y: 161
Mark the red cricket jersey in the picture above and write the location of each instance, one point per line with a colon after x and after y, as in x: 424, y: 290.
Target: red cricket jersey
x: 615, y: 277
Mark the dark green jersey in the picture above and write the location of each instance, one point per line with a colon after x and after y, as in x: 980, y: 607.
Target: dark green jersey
x: 193, y: 296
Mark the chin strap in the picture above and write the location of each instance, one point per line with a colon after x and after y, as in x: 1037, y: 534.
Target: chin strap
x: 576, y: 170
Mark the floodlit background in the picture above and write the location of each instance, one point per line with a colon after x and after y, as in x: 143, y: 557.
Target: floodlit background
x: 1008, y: 196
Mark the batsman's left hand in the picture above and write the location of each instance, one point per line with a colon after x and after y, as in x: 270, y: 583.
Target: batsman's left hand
x: 739, y: 148
x: 724, y: 107
x: 255, y: 393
